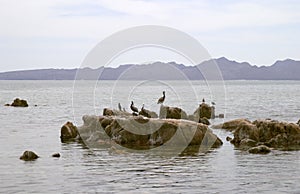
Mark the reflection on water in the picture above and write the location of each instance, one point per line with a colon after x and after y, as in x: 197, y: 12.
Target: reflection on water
x: 80, y: 170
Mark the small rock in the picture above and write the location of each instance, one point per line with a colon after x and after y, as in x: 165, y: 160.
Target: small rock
x: 28, y: 156
x: 221, y: 116
x: 6, y: 104
x: 68, y: 131
x: 19, y: 103
x: 262, y: 149
x: 228, y: 138
x: 56, y: 155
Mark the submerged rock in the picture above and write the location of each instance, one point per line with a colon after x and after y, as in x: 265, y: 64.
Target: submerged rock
x: 262, y: 149
x: 29, y: 156
x: 145, y: 133
x: 68, y: 131
x: 172, y: 113
x: 19, y: 103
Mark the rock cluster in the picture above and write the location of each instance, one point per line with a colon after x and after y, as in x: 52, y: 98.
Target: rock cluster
x: 144, y: 133
x: 270, y: 133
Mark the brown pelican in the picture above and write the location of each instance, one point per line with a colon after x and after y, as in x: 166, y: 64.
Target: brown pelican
x: 161, y: 99
x: 133, y: 108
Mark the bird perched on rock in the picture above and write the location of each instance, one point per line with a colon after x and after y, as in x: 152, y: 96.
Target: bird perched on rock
x: 203, y: 100
x: 161, y: 99
x: 133, y: 108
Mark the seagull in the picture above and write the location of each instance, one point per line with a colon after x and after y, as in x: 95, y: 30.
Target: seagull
x: 161, y: 99
x: 133, y: 108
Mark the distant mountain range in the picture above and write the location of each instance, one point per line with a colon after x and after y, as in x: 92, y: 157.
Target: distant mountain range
x: 231, y: 70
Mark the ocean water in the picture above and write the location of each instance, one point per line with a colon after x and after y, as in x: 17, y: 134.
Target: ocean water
x: 84, y: 170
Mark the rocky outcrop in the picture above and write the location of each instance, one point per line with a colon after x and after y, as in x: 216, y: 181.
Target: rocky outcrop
x: 18, y: 103
x: 29, y: 156
x: 140, y: 133
x: 231, y: 125
x: 274, y: 134
x: 204, y: 110
x: 172, y: 113
x: 68, y: 131
x: 298, y: 123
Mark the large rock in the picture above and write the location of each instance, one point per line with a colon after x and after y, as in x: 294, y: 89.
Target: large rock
x: 172, y: 113
x: 68, y: 131
x: 29, y: 156
x: 19, y: 103
x: 298, y: 123
x: 204, y: 110
x: 231, y: 125
x: 142, y: 133
x: 275, y: 134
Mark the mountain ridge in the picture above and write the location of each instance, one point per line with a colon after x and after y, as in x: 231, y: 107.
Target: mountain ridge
x: 287, y: 69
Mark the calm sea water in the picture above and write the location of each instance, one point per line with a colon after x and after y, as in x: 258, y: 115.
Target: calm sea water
x: 80, y: 169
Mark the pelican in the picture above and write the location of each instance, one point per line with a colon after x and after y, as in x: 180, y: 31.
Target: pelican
x: 133, y: 108
x: 161, y: 99
x: 120, y: 107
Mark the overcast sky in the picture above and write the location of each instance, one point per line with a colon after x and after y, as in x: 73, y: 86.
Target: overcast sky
x: 59, y: 33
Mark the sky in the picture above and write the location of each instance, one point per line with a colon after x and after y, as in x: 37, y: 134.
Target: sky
x: 39, y: 34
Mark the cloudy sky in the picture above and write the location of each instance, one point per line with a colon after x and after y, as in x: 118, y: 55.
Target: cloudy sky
x: 60, y: 33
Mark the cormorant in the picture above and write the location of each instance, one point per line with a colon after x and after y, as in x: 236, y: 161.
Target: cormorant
x: 120, y: 107
x: 161, y: 99
x: 133, y: 108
